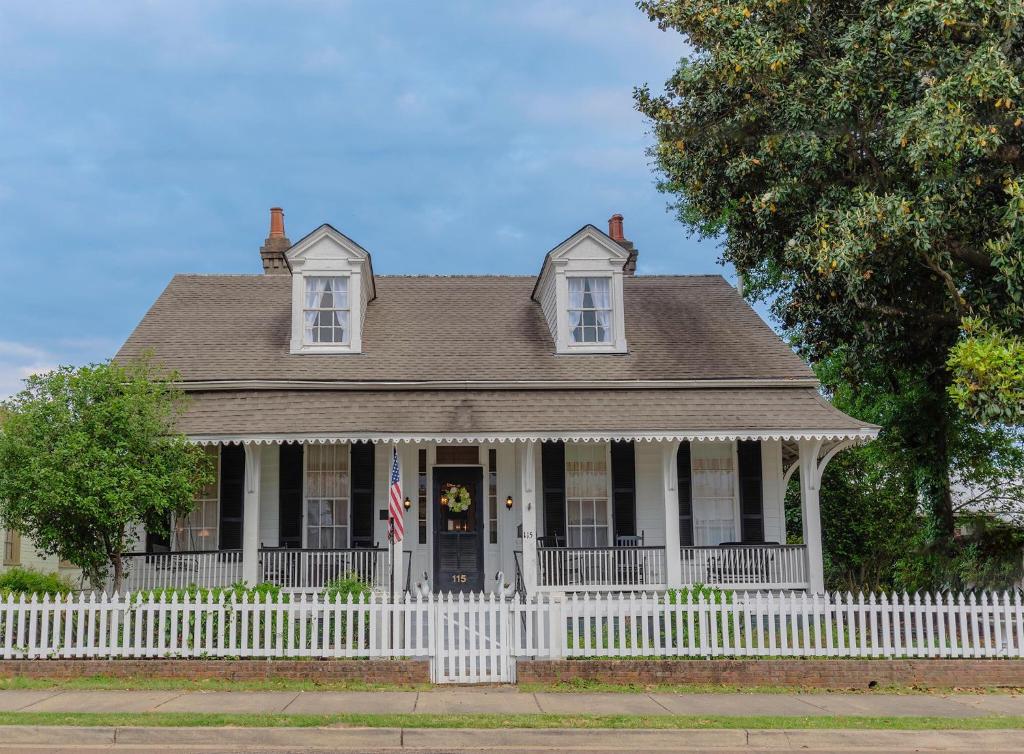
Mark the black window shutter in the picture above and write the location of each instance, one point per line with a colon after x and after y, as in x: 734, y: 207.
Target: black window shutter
x: 362, y: 494
x: 552, y: 460
x: 624, y: 488
x: 684, y: 486
x: 232, y: 492
x: 289, y: 531
x: 751, y: 491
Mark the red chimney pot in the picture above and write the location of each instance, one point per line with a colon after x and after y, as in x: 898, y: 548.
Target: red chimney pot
x: 276, y: 222
x: 615, y: 227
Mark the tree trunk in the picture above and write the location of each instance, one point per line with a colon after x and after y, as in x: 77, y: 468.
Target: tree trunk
x: 118, y: 563
x: 933, y: 461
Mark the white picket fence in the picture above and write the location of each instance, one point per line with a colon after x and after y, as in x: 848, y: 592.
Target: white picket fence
x: 476, y: 637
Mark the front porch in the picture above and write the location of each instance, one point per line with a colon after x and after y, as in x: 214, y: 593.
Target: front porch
x: 594, y: 514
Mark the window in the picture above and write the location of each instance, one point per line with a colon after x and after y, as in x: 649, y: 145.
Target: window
x: 590, y: 310
x: 198, y: 530
x: 12, y: 548
x: 714, y: 493
x: 586, y: 494
x: 421, y: 498
x: 492, y: 495
x: 326, y: 311
x: 327, y: 496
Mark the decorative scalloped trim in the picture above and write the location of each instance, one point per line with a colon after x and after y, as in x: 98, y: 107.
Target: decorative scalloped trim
x: 857, y: 435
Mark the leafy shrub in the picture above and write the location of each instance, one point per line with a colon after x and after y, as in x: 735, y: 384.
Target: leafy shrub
x: 679, y: 596
x: 350, y: 584
x: 26, y: 581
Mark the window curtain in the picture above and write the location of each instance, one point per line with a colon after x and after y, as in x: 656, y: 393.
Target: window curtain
x: 714, y: 493
x: 315, y: 289
x: 586, y: 493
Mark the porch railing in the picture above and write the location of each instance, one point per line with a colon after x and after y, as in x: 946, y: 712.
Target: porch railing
x: 746, y: 566
x: 601, y: 567
x: 314, y: 569
x: 177, y: 570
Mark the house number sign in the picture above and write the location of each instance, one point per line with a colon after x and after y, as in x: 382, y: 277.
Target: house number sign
x: 460, y: 578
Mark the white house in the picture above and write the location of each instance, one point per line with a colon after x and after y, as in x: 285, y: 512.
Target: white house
x: 613, y: 431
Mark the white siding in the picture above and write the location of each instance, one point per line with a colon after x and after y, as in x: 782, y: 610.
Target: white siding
x: 650, y: 495
x: 270, y: 488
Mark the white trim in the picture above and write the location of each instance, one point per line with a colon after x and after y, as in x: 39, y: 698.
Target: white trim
x: 212, y: 385
x: 859, y: 435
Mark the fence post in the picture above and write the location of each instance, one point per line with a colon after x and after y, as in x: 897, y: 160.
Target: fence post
x: 556, y: 624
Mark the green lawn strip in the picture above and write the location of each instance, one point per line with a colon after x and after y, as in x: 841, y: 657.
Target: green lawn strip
x: 580, y: 685
x: 142, y: 683
x: 485, y: 721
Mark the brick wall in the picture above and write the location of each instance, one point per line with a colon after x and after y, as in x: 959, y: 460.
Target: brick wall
x: 324, y: 671
x: 837, y: 674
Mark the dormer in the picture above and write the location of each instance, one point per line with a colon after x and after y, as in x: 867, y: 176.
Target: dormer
x: 332, y: 282
x: 580, y: 290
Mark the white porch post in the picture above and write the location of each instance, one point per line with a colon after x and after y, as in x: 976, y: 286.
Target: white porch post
x: 670, y: 482
x: 528, y: 476
x: 251, y: 515
x: 810, y: 479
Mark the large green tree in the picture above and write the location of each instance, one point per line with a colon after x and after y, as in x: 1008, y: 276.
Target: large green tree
x: 89, y: 454
x: 862, y: 164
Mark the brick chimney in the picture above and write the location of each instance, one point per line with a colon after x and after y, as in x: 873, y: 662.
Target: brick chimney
x: 273, y: 249
x: 615, y: 231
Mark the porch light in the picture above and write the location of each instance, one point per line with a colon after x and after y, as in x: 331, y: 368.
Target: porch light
x: 444, y: 500
x: 407, y: 503
x: 508, y: 502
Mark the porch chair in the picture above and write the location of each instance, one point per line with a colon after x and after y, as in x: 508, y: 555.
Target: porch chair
x: 630, y: 570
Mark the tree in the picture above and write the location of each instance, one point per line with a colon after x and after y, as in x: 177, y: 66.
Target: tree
x: 862, y: 163
x: 89, y: 454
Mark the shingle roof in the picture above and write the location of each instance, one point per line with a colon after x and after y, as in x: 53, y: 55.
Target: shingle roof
x: 486, y: 328
x: 497, y: 413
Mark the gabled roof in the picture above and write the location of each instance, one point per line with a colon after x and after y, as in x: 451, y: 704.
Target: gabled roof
x: 308, y: 241
x: 460, y: 329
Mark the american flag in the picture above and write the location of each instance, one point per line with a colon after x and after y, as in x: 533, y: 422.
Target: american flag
x: 395, y: 512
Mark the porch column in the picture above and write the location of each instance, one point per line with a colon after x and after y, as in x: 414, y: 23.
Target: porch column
x: 527, y: 469
x: 670, y: 483
x: 810, y: 479
x: 251, y: 515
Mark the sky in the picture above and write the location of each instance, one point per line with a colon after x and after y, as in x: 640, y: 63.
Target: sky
x: 139, y: 139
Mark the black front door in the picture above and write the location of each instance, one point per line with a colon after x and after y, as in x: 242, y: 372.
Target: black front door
x: 458, y: 535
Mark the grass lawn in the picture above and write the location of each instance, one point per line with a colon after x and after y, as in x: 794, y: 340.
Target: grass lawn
x: 690, y: 722
x: 143, y: 683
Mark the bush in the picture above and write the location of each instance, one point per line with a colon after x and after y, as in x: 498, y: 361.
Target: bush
x: 26, y: 581
x: 350, y: 584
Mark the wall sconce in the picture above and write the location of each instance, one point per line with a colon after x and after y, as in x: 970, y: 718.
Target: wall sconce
x: 444, y: 501
x: 508, y: 502
x: 407, y: 503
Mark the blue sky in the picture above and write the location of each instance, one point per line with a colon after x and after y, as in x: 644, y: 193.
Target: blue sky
x: 139, y: 139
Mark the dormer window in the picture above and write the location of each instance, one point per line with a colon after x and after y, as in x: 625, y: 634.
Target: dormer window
x: 590, y: 310
x: 326, y: 313
x: 332, y: 282
x: 579, y: 290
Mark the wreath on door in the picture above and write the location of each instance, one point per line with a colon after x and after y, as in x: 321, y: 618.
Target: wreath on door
x: 457, y: 497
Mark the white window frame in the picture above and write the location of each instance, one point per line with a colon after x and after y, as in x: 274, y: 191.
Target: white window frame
x: 306, y: 500
x: 609, y: 340
x: 609, y: 525
x: 345, y: 280
x: 195, y: 520
x: 735, y: 499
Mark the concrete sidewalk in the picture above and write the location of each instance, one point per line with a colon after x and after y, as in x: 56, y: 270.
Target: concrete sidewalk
x: 510, y: 701
x: 71, y: 739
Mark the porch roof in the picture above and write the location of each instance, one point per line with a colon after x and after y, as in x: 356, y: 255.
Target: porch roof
x: 276, y: 416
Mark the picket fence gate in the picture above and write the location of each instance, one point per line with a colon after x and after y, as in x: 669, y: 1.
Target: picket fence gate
x: 472, y: 638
